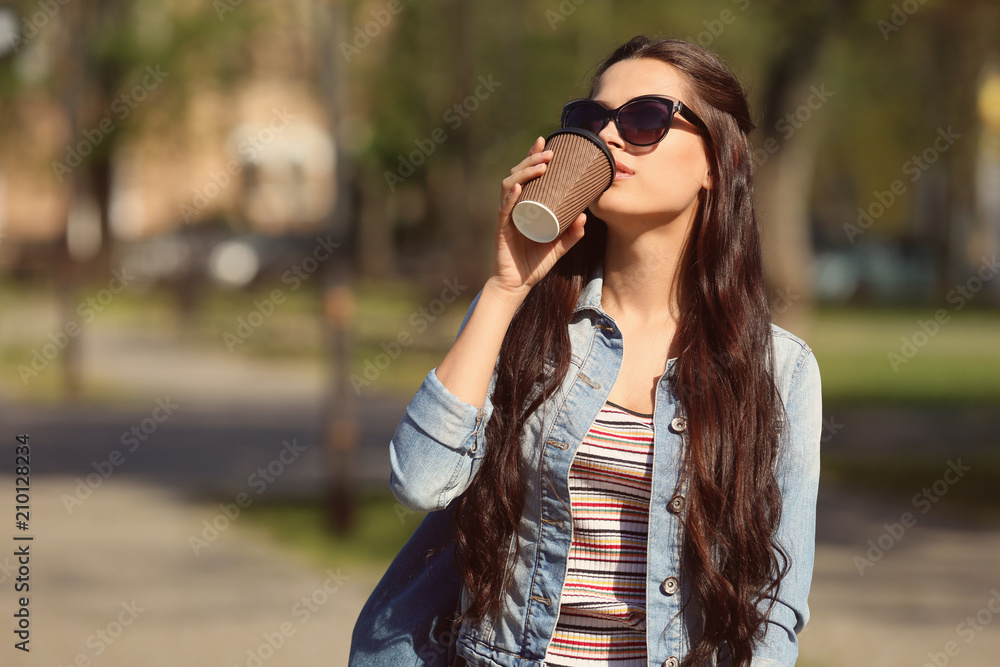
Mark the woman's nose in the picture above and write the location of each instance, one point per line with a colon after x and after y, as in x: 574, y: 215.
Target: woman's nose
x: 609, y: 134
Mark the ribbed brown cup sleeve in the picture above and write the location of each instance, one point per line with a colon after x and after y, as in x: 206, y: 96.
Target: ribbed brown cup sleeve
x: 577, y: 173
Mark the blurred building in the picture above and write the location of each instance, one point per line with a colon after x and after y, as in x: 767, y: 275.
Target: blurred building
x: 258, y: 154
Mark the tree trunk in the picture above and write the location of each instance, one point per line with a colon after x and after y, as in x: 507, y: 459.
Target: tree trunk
x: 339, y: 428
x: 783, y: 183
x: 784, y: 192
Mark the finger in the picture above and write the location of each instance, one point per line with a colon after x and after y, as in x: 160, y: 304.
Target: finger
x: 519, y: 178
x: 537, y: 146
x: 573, y: 234
x: 508, y: 201
x: 533, y: 159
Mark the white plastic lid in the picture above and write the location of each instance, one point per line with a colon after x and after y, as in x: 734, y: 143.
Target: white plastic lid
x: 536, y: 221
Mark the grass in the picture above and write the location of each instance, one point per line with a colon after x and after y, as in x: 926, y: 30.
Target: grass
x: 390, y: 319
x: 382, y: 527
x: 959, y: 364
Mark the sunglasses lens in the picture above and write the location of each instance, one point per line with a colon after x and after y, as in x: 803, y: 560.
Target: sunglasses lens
x: 588, y: 116
x: 645, y: 122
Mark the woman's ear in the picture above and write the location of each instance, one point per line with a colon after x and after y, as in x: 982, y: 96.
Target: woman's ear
x: 708, y: 181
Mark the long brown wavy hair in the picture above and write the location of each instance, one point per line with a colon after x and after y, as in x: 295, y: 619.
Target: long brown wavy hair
x: 723, y: 378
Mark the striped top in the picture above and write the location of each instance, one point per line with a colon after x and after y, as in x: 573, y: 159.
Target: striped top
x: 602, y: 613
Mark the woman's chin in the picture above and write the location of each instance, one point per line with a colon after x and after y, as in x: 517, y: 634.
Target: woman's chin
x: 612, y: 206
x: 632, y: 221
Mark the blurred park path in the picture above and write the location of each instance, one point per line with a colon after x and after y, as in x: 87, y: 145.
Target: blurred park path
x: 129, y: 539
x: 153, y: 362
x: 118, y: 583
x: 218, y: 416
x: 914, y: 599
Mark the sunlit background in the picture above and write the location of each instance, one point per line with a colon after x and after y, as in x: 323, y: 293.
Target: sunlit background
x: 236, y: 235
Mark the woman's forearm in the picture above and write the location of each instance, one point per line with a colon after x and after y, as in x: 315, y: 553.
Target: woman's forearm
x: 468, y: 366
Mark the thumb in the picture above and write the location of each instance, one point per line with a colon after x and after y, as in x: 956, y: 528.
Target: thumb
x: 572, y: 234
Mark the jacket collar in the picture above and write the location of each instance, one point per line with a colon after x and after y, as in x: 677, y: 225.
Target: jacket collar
x: 590, y: 296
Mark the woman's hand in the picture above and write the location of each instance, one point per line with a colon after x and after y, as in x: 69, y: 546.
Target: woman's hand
x: 518, y: 262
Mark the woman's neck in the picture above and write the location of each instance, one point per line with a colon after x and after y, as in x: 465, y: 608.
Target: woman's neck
x: 640, y: 283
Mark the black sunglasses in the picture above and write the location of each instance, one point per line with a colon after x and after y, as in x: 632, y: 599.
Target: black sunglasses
x: 642, y: 121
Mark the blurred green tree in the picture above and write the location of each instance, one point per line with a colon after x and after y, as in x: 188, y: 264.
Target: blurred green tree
x: 842, y: 91
x: 109, y: 64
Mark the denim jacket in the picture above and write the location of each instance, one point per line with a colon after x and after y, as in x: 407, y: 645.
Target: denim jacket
x: 440, y: 443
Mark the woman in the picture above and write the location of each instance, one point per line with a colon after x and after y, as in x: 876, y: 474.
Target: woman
x: 625, y: 448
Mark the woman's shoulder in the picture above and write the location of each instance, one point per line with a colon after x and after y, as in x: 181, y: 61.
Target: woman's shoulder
x: 791, y: 355
x: 787, y: 340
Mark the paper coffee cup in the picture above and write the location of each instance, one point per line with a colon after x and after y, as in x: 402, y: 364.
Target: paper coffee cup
x: 580, y: 170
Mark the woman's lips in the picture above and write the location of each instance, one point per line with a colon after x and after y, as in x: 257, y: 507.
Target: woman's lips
x: 622, y: 171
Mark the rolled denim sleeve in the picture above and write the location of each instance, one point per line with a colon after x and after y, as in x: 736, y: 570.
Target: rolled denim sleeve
x: 439, y: 443
x: 797, y: 471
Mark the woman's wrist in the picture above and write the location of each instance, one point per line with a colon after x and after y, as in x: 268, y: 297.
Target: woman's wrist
x: 511, y: 297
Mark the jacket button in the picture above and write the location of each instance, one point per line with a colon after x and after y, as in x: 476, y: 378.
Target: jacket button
x: 669, y: 585
x: 671, y: 662
x: 676, y: 504
x: 679, y: 424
